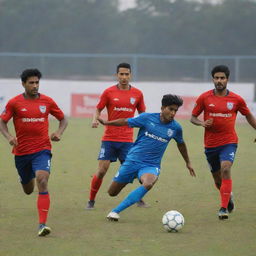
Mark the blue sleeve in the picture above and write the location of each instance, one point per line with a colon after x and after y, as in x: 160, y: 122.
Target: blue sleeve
x: 179, y: 134
x: 137, y: 121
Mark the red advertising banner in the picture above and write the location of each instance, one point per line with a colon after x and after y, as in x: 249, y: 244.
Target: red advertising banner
x: 84, y: 105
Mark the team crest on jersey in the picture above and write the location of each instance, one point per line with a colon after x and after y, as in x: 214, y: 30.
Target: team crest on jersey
x: 42, y: 109
x: 169, y: 132
x: 132, y: 100
x: 230, y: 105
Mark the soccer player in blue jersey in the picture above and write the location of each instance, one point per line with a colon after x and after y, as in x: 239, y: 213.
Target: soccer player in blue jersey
x: 144, y: 158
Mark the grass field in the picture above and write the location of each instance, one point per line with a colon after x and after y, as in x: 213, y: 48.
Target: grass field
x: 139, y: 232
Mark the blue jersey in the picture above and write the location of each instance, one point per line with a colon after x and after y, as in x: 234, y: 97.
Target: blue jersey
x: 153, y: 138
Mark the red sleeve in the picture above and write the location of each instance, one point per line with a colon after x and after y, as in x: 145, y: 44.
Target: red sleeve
x: 103, y: 101
x: 141, y: 105
x: 242, y: 107
x: 56, y: 111
x: 199, y: 106
x: 8, y: 112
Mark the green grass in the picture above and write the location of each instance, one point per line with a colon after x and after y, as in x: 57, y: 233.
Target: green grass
x: 139, y: 232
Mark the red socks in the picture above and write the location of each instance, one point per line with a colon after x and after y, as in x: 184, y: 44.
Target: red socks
x: 95, y: 186
x: 225, y: 192
x: 43, y: 205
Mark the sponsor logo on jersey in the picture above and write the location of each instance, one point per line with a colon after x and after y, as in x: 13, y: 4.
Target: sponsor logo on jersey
x: 169, y: 132
x: 116, y: 99
x: 155, y: 137
x: 123, y: 109
x: 211, y: 105
x: 132, y: 100
x: 42, y: 109
x: 230, y: 105
x: 220, y: 115
x: 23, y: 109
x: 33, y: 120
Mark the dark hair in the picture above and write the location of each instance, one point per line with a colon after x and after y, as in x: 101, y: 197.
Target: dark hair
x: 170, y: 99
x: 123, y: 65
x: 221, y: 68
x: 29, y: 73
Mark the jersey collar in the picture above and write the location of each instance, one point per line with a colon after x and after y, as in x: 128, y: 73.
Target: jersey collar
x: 227, y: 93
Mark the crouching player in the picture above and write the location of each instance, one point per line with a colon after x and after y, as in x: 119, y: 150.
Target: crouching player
x: 144, y: 158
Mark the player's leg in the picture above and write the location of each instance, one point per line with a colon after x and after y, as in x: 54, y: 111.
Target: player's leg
x: 96, y: 182
x: 217, y: 179
x: 227, y: 156
x: 41, y: 166
x: 213, y: 159
x: 123, y: 150
x: 107, y: 155
x: 26, y: 174
x: 148, y: 177
x: 115, y: 188
x: 29, y: 187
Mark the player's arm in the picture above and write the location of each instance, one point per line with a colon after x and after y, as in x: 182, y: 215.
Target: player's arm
x: 251, y: 120
x: 117, y: 122
x: 184, y: 152
x: 207, y: 123
x: 56, y: 136
x: 4, y: 130
x: 96, y: 115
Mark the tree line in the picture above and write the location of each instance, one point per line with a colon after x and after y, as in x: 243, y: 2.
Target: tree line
x: 152, y: 27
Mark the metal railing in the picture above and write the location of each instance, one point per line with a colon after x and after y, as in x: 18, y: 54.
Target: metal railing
x: 145, y: 67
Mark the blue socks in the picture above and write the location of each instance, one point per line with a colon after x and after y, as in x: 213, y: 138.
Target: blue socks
x: 131, y: 199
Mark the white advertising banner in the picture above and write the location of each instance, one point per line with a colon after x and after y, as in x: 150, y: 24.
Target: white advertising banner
x: 79, y: 98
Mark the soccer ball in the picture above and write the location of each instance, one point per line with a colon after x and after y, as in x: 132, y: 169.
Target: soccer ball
x: 173, y: 221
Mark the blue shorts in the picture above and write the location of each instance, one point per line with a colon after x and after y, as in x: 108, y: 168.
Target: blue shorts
x: 27, y: 165
x: 130, y: 170
x: 112, y: 150
x: 216, y: 155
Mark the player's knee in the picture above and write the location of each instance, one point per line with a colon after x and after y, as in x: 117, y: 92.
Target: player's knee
x: 101, y: 173
x: 148, y: 184
x: 28, y: 191
x: 226, y: 172
x: 112, y: 193
x: 42, y: 183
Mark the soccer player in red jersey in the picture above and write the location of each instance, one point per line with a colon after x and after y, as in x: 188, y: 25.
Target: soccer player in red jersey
x: 220, y: 107
x: 31, y: 145
x: 121, y: 101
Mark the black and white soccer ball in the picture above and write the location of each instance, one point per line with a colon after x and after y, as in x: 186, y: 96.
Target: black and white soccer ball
x: 173, y: 221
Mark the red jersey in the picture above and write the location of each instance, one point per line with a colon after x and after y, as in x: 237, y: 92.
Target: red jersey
x: 30, y: 118
x: 120, y: 104
x: 223, y: 110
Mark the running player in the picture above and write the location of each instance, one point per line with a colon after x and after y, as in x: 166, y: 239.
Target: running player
x: 220, y: 107
x: 31, y: 145
x: 144, y: 159
x: 121, y: 101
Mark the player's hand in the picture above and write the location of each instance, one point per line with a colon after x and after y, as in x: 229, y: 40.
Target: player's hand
x: 13, y: 141
x: 95, y: 124
x: 208, y: 122
x: 55, y: 136
x: 191, y: 170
